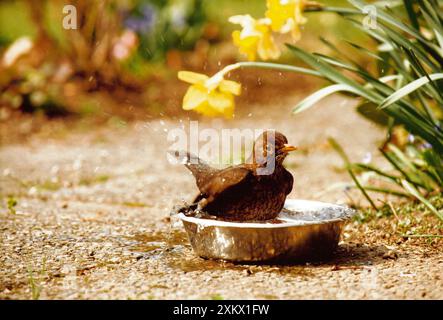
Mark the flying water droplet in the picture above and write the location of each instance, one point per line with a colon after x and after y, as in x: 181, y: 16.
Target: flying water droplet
x: 367, y: 158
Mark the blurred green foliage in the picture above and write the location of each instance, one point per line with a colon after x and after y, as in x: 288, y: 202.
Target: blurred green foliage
x: 163, y: 26
x: 15, y: 21
x: 121, y: 44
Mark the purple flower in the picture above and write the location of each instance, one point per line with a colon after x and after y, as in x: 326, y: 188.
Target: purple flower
x: 425, y: 146
x: 411, y: 138
x: 144, y: 21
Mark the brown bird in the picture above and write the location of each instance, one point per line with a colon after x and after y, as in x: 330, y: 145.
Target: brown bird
x: 246, y: 191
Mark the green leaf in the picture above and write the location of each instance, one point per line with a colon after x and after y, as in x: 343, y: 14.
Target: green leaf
x: 335, y: 62
x: 398, y: 166
x: 387, y: 191
x: 431, y: 16
x: 384, y: 17
x: 333, y: 74
x: 345, y: 158
x: 378, y: 171
x: 321, y: 94
x: 414, y: 192
x: 275, y: 66
x: 401, y: 41
x: 411, y: 13
x: 416, y: 175
x: 435, y: 90
x: 406, y: 113
x: 339, y: 10
x: 409, y: 88
x: 364, y: 50
x: 435, y: 165
x: 391, y: 78
x: 337, y: 50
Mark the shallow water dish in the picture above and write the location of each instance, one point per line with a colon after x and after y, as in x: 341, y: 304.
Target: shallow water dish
x: 307, y: 230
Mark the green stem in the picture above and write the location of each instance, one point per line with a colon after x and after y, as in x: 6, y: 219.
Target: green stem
x: 267, y: 65
x: 387, y: 191
x: 348, y: 164
x: 334, y: 9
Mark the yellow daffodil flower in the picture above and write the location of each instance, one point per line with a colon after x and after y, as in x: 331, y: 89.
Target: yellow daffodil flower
x: 286, y: 16
x: 255, y: 38
x: 209, y: 96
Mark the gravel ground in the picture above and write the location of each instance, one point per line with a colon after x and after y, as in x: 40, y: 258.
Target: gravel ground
x: 92, y: 219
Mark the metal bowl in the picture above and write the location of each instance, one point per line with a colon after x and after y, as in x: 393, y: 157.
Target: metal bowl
x: 308, y: 230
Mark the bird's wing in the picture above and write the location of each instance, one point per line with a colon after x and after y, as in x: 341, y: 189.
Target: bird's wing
x: 224, y: 179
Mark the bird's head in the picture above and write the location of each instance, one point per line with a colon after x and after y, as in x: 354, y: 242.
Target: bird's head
x: 269, y: 145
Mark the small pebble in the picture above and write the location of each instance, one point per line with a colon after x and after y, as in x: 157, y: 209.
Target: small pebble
x: 390, y: 255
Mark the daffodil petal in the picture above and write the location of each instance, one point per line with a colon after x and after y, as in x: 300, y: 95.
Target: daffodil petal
x: 267, y: 49
x: 286, y: 16
x: 228, y: 112
x: 220, y: 101
x: 231, y: 87
x: 195, y: 97
x: 236, y: 37
x: 244, y: 41
x: 242, y: 20
x: 192, y: 77
x: 247, y: 46
x: 279, y: 13
x: 207, y: 111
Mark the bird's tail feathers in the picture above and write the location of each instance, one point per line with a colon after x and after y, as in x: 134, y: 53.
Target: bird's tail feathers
x: 191, y: 161
x: 184, y: 157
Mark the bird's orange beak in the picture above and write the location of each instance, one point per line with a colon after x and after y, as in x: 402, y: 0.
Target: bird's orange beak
x: 288, y: 148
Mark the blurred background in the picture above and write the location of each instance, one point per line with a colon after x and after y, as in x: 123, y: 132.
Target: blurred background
x: 121, y: 62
